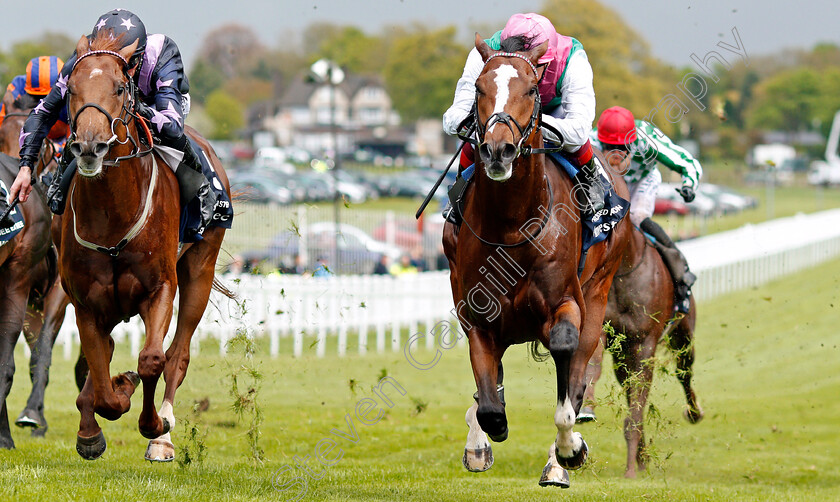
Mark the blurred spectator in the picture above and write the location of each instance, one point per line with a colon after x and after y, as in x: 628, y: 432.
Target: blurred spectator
x: 381, y: 267
x: 404, y: 267
x: 237, y: 266
x: 321, y: 268
x: 296, y: 267
x: 417, y: 258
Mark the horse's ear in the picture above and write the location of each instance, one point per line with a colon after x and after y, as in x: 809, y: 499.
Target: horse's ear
x: 82, y: 46
x: 482, y: 47
x: 127, y: 52
x: 537, y: 52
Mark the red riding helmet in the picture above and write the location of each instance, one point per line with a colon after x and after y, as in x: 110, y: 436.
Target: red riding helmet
x: 616, y: 126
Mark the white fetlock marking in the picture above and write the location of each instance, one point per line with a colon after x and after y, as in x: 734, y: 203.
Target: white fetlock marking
x: 167, y: 412
x: 567, y: 442
x: 476, y: 438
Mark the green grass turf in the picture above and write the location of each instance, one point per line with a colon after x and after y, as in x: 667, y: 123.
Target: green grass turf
x: 767, y: 375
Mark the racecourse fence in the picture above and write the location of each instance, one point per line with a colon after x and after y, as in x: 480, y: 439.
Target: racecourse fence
x: 301, y: 314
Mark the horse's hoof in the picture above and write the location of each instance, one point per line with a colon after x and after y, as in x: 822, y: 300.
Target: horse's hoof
x: 29, y: 418
x: 478, y: 460
x: 6, y: 443
x: 91, y: 448
x: 587, y: 414
x: 554, y: 475
x: 577, y: 460
x: 133, y: 377
x: 160, y: 450
x: 693, y: 415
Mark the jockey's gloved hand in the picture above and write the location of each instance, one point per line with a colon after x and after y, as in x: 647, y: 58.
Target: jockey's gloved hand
x: 549, y: 135
x: 466, y: 127
x: 144, y: 110
x: 687, y: 193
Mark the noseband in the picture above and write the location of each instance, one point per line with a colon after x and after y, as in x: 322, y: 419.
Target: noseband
x: 126, y: 113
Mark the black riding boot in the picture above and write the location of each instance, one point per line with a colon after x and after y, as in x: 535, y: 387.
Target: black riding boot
x: 60, y: 183
x: 193, y: 183
x: 676, y: 263
x: 589, y: 188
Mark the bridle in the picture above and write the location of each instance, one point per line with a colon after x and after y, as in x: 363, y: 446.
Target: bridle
x: 524, y: 133
x: 129, y: 92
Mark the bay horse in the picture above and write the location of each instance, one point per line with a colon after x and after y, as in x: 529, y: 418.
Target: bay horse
x: 641, y: 312
x: 26, y: 272
x: 119, y: 253
x: 514, y: 261
x: 47, y: 305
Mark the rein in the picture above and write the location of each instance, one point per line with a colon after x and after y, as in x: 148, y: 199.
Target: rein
x: 126, y: 114
x: 526, y: 150
x: 130, y: 92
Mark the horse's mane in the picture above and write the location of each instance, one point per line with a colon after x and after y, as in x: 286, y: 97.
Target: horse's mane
x: 106, y: 41
x: 25, y: 102
x: 516, y: 43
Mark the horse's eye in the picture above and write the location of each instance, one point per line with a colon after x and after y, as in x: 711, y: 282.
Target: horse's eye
x: 120, y: 90
x: 479, y: 92
x: 533, y: 91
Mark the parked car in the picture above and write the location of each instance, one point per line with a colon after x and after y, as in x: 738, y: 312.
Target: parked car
x: 727, y: 199
x: 702, y: 204
x: 670, y: 207
x: 357, y: 251
x: 262, y: 189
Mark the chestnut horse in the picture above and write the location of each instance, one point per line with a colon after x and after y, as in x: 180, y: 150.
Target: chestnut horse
x: 44, y: 315
x: 514, y: 261
x: 119, y: 253
x: 641, y: 311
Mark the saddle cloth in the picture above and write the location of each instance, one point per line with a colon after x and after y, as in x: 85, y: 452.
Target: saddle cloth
x: 190, y: 213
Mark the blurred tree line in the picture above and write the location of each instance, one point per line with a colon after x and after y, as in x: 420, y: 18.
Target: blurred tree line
x: 796, y: 91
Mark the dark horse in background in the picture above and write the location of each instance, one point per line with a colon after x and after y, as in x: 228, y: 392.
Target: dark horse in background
x: 119, y: 253
x: 27, y: 269
x: 514, y: 270
x: 51, y: 316
x: 641, y: 312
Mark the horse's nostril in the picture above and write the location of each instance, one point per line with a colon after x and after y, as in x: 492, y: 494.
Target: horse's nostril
x: 484, y: 152
x: 508, y: 152
x: 100, y: 149
x: 75, y: 149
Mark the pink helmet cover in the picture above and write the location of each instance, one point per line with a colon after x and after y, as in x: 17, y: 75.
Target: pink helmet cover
x: 541, y: 29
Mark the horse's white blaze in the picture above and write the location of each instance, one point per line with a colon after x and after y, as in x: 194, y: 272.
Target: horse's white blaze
x: 95, y: 73
x: 504, y: 73
x: 567, y: 442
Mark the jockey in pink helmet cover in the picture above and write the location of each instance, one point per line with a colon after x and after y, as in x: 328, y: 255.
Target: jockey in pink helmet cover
x: 566, y: 92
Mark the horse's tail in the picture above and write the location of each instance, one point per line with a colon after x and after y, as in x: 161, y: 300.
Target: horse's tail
x: 221, y: 288
x: 537, y: 354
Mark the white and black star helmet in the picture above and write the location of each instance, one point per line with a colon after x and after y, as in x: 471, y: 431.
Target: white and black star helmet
x: 126, y: 24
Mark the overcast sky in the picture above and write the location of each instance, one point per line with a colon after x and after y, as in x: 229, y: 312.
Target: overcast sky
x: 674, y: 28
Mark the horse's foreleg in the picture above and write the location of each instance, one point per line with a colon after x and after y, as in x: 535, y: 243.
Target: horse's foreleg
x: 593, y: 374
x: 681, y: 342
x: 157, y: 314
x: 54, y: 310
x: 110, y: 398
x: 563, y: 342
x: 12, y: 311
x: 636, y: 379
x: 485, y: 357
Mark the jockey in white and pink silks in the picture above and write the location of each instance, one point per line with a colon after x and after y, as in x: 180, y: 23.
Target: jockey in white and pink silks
x: 566, y: 93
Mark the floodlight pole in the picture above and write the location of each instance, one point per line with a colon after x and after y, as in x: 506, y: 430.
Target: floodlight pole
x: 327, y: 72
